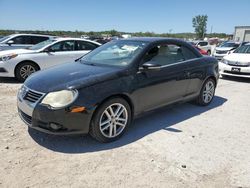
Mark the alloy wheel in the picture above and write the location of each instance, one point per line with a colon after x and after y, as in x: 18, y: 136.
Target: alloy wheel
x: 113, y: 120
x: 26, y: 71
x: 208, y: 92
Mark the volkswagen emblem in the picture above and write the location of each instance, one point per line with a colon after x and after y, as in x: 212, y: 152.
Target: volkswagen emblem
x: 23, y: 91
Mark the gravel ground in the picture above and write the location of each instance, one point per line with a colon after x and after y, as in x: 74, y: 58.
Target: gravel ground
x: 181, y: 146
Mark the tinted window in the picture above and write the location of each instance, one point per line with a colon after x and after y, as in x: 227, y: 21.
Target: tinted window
x: 188, y: 54
x: 38, y: 39
x: 83, y: 45
x: 203, y: 43
x: 22, y: 40
x: 63, y: 46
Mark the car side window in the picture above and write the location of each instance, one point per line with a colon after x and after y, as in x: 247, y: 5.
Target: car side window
x: 38, y: 39
x: 165, y: 54
x: 187, y: 53
x: 63, y: 46
x: 203, y: 43
x: 83, y: 45
x: 22, y: 40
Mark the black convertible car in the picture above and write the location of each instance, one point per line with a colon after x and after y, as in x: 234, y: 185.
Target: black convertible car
x: 101, y: 92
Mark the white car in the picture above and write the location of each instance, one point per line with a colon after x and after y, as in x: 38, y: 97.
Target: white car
x: 21, y: 63
x: 225, y: 49
x: 17, y: 41
x: 204, y: 45
x: 236, y: 63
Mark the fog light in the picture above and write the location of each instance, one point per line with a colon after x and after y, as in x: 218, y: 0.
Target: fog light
x: 55, y: 126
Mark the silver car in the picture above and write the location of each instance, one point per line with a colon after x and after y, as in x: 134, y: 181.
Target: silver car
x: 17, y: 41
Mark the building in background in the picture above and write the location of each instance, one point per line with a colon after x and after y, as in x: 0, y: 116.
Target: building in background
x: 242, y: 33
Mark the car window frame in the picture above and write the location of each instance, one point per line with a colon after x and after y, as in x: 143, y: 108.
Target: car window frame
x: 166, y: 43
x: 49, y: 47
x: 77, y: 41
x: 13, y: 39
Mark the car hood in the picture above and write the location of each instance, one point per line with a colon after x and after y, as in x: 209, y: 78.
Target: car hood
x: 224, y: 48
x: 70, y: 76
x: 16, y: 51
x: 239, y: 57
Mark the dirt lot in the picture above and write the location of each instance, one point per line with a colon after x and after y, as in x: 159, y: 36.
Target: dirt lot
x: 184, y: 146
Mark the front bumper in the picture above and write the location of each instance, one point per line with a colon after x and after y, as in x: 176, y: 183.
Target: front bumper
x: 7, y: 69
x: 226, y: 70
x: 43, y: 119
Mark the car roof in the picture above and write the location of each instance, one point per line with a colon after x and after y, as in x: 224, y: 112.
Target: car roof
x: 71, y: 38
x: 153, y: 39
x: 20, y: 34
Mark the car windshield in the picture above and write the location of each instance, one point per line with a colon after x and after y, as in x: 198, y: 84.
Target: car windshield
x: 243, y: 49
x: 4, y: 38
x: 116, y: 53
x: 41, y: 44
x: 230, y: 44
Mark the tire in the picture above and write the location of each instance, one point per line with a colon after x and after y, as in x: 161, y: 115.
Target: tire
x: 29, y: 67
x: 207, y: 93
x: 105, y: 126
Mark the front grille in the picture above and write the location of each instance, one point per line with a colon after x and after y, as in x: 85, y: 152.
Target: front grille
x: 32, y: 96
x: 239, y: 73
x: 238, y: 64
x: 25, y: 117
x: 221, y: 52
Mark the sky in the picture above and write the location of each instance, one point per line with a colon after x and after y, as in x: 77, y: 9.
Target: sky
x: 159, y: 16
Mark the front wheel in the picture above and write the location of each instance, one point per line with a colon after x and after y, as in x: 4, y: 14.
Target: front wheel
x: 111, y: 120
x: 24, y: 70
x: 206, y: 93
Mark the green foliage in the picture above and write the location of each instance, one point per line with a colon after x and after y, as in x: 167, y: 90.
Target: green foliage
x: 200, y: 25
x: 113, y: 32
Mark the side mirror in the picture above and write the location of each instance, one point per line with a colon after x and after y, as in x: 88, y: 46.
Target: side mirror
x: 48, y: 50
x: 10, y: 42
x: 151, y: 65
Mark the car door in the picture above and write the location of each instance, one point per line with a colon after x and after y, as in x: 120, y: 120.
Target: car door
x: 163, y: 86
x: 58, y: 53
x: 195, y: 69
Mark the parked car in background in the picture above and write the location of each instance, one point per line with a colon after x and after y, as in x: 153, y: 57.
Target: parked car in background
x: 237, y: 63
x: 21, y: 63
x: 17, y: 41
x: 102, y: 92
x: 203, y: 52
x: 204, y: 45
x: 224, y: 49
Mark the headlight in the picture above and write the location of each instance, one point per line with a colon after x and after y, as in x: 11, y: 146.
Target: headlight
x: 7, y: 57
x: 224, y: 61
x: 60, y: 99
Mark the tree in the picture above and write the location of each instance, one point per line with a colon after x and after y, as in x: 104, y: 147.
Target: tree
x: 200, y: 25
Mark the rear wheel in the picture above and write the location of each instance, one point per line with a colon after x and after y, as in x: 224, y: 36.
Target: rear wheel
x: 24, y: 70
x: 206, y: 93
x: 111, y: 120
